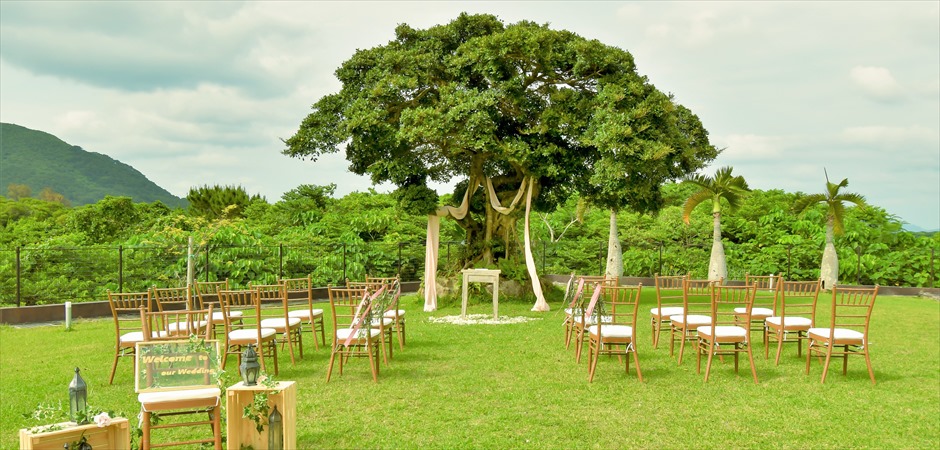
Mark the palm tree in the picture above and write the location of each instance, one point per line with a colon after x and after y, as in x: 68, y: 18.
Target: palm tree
x: 722, y: 186
x: 829, y: 269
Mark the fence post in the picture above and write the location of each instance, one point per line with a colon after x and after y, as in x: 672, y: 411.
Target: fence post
x: 344, y: 263
x: 858, y: 265
x: 399, y: 259
x: 280, y: 261
x: 544, y: 251
x: 120, y: 268
x: 18, y: 279
x: 932, y: 279
x: 207, y: 263
x: 660, y: 257
x: 788, y: 261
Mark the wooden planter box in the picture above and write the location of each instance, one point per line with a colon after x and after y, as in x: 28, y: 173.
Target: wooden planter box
x: 241, y: 432
x: 115, y: 436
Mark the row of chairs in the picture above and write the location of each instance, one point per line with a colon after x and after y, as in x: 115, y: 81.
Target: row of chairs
x: 719, y: 319
x: 263, y: 315
x: 243, y: 323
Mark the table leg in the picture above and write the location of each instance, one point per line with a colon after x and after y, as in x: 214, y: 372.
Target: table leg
x: 463, y: 304
x: 496, y: 299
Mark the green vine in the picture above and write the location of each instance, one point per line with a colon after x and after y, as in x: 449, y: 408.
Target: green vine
x: 259, y: 408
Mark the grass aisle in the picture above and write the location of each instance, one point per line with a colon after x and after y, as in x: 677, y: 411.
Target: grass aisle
x: 514, y: 385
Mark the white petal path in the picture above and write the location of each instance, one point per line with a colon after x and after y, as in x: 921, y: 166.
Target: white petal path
x: 480, y: 319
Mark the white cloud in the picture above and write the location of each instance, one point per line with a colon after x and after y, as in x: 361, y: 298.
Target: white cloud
x: 750, y: 146
x: 890, y: 136
x: 877, y: 82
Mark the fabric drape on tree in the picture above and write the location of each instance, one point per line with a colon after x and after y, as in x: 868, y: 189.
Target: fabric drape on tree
x: 540, y: 303
x: 433, y: 241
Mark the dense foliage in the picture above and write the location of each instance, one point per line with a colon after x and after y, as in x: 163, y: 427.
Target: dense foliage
x: 75, y: 253
x: 504, y: 106
x: 42, y: 163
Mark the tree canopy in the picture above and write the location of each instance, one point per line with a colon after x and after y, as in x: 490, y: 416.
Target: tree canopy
x: 502, y: 104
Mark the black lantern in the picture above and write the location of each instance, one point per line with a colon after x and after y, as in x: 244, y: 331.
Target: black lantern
x: 78, y: 399
x: 275, y: 430
x: 250, y: 367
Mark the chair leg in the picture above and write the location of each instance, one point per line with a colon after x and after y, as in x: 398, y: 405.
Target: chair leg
x: 780, y: 336
x: 871, y: 373
x: 711, y: 353
x: 216, y: 414
x: 403, y: 332
x: 400, y: 329
x: 654, y: 332
x: 329, y: 368
x: 373, y: 361
x: 750, y: 356
x: 593, y: 356
x: 828, y: 358
x: 145, y: 430
x: 682, y: 346
x: 114, y: 366
x: 313, y: 332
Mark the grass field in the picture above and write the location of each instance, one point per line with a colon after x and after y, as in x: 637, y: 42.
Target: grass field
x: 515, y: 385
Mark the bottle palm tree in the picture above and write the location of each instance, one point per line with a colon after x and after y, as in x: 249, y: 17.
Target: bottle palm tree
x: 722, y: 186
x: 834, y: 200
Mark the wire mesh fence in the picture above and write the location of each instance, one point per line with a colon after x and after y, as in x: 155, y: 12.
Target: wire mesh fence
x: 35, y: 276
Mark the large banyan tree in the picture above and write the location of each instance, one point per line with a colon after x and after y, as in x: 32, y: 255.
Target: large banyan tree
x: 519, y: 113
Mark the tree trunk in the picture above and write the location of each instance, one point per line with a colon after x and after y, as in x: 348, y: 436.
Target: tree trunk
x: 614, y: 252
x: 829, y: 269
x: 717, y: 267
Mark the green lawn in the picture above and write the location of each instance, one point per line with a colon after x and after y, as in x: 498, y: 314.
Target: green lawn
x: 486, y: 386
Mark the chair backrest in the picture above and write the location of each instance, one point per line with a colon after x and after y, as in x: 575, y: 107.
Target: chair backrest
x: 621, y: 304
x: 386, y: 281
x: 798, y: 298
x: 767, y: 288
x: 175, y: 324
x: 344, y: 302
x: 246, y: 301
x: 585, y: 287
x: 125, y: 309
x: 669, y: 290
x: 852, y: 307
x: 272, y: 299
x: 697, y: 296
x: 302, y: 286
x: 724, y: 299
x: 208, y: 292
x: 173, y: 298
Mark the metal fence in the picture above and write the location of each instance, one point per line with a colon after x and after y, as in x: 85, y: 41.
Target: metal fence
x: 33, y: 276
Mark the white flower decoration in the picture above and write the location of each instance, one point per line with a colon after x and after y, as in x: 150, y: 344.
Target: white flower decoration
x: 103, y: 420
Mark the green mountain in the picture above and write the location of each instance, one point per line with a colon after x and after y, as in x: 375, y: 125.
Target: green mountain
x: 40, y: 160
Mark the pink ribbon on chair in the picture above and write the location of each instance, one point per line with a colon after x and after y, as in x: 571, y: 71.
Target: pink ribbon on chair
x: 361, y: 314
x: 597, y: 295
x: 577, y: 293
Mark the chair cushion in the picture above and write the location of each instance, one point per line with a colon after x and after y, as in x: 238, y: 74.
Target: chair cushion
x: 790, y: 321
x: 613, y: 331
x: 154, y: 401
x: 384, y: 321
x: 138, y: 336
x: 840, y: 333
x: 591, y: 320
x: 756, y: 312
x: 723, y: 331
x: 132, y: 337
x: 278, y: 322
x: 343, y: 333
x: 667, y: 311
x: 178, y: 327
x: 251, y: 334
x: 305, y: 313
x: 391, y: 313
x: 691, y: 319
x: 220, y: 316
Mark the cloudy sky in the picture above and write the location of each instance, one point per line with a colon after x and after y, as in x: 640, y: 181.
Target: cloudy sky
x: 200, y: 93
